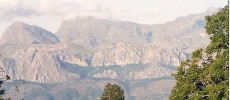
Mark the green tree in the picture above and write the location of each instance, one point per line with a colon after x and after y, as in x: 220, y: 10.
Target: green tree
x: 206, y: 74
x: 113, y: 92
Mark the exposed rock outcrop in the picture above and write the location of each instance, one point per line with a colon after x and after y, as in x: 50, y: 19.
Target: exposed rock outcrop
x: 38, y: 66
x: 130, y: 53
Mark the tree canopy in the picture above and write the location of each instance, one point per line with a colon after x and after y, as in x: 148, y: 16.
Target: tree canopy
x: 206, y: 74
x: 113, y: 92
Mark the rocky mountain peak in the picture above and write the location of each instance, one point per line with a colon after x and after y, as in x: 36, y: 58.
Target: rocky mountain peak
x: 18, y: 25
x: 22, y: 33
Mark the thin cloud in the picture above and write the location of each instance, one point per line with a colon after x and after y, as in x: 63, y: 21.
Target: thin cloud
x: 140, y: 11
x: 117, y: 9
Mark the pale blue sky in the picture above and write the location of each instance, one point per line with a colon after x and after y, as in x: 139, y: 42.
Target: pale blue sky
x: 50, y: 13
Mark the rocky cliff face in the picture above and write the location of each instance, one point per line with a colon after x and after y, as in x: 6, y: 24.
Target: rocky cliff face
x: 130, y: 53
x: 94, y: 43
x: 21, y: 33
x: 96, y: 49
x: 9, y: 66
x: 34, y: 64
x: 38, y: 66
x: 43, y: 63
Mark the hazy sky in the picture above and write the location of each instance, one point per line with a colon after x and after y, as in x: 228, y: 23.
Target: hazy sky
x: 50, y: 13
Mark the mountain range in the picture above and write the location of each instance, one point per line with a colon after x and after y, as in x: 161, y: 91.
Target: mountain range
x: 86, y: 53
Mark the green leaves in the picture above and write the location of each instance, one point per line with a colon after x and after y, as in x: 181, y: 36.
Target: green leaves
x: 197, y: 79
x: 197, y: 54
x: 112, y: 92
x: 217, y: 27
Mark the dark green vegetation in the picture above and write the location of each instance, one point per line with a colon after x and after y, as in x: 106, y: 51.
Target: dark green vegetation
x: 113, y: 92
x: 206, y: 75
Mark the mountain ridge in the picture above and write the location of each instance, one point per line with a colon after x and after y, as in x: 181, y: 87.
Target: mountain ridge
x: 92, y: 50
x: 22, y: 33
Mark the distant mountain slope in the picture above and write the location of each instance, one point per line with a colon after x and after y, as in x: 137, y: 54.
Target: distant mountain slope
x: 88, y: 45
x: 92, y: 31
x: 184, y: 33
x: 141, y: 58
x: 21, y: 33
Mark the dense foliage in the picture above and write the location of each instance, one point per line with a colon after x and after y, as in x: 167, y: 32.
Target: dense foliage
x: 113, y: 92
x: 206, y: 74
